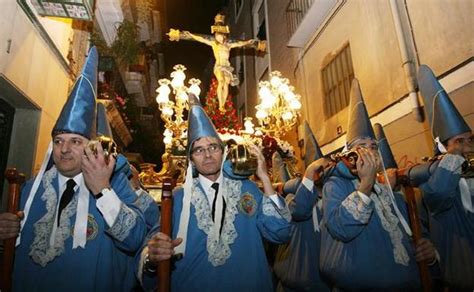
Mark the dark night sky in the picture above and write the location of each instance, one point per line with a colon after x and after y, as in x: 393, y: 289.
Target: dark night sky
x: 196, y: 16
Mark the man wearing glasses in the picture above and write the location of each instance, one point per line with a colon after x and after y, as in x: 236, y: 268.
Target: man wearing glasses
x: 219, y: 222
x: 449, y: 191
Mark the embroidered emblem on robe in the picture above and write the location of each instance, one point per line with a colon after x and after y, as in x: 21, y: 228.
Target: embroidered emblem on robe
x: 92, y: 228
x: 247, y: 204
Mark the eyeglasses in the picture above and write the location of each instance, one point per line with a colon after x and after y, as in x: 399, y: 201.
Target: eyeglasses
x: 469, y: 140
x: 212, y: 148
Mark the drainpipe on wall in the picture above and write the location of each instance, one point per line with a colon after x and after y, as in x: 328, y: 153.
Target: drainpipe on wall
x: 407, y: 64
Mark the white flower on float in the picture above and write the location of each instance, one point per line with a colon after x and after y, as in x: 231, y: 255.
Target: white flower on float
x: 258, y: 133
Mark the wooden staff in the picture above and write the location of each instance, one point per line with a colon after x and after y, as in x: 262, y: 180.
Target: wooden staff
x: 164, y: 267
x: 15, y: 180
x: 416, y: 229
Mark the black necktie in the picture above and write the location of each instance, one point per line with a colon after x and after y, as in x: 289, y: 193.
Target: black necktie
x: 66, y: 197
x: 215, y: 186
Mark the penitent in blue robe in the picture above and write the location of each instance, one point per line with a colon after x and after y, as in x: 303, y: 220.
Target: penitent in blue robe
x: 98, y: 266
x: 357, y: 251
x: 452, y: 226
x: 297, y: 263
x: 238, y: 262
x: 151, y: 213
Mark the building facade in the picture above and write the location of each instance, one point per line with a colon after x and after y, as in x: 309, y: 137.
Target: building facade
x: 322, y: 45
x: 39, y: 61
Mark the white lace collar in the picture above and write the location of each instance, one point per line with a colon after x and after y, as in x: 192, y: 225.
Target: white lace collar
x: 218, y: 247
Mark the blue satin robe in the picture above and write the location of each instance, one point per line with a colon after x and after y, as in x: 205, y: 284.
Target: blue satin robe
x: 246, y: 269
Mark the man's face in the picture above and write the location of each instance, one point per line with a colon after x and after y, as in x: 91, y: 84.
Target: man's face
x: 461, y: 144
x: 67, y: 153
x: 370, y: 145
x: 207, y: 155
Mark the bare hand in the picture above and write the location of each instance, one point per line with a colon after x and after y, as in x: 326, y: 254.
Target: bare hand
x: 134, y: 181
x: 161, y: 247
x: 314, y: 170
x: 392, y: 177
x: 366, y: 170
x: 262, y: 171
x: 10, y: 225
x: 425, y: 251
x: 96, y: 170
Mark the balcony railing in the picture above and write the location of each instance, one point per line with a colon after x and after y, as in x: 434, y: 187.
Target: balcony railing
x: 295, y: 12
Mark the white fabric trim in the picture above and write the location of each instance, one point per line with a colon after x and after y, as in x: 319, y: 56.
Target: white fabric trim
x: 41, y: 251
x: 466, y: 188
x: 452, y: 163
x: 315, y: 217
x: 269, y: 208
x: 125, y: 222
x: 109, y: 205
x: 364, y: 197
x: 143, y: 201
x: 220, y: 197
x: 185, y: 211
x: 355, y: 205
x: 276, y: 199
x: 309, y: 184
x: 141, y: 263
x: 184, y: 216
x: 389, y: 223
x: 440, y: 145
x: 218, y: 246
x: 62, y: 184
x: 34, y: 189
x: 402, y: 219
x: 80, y: 226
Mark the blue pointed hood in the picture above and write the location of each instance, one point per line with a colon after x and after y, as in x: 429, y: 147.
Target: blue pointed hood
x: 312, y: 150
x: 444, y: 119
x: 359, y: 125
x: 280, y: 170
x: 78, y: 115
x: 384, y: 147
x: 193, y: 100
x: 199, y: 124
x: 103, y: 126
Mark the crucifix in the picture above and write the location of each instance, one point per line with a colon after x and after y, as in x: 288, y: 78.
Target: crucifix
x: 221, y: 46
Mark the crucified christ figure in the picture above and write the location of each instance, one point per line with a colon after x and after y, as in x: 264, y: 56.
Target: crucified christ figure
x: 221, y: 47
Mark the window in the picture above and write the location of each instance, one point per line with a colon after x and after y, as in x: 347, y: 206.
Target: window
x: 262, y: 61
x: 337, y: 77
